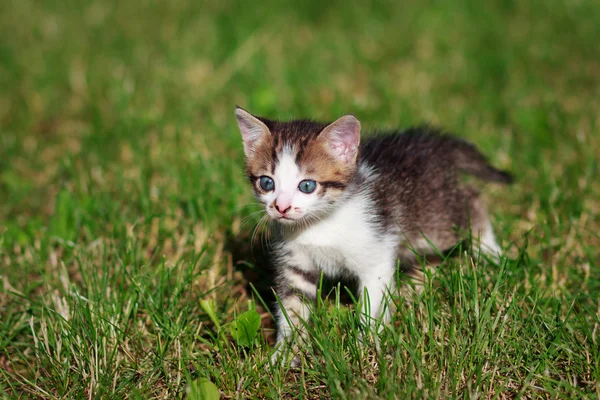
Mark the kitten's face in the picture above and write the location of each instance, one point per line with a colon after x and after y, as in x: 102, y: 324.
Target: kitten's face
x: 299, y: 169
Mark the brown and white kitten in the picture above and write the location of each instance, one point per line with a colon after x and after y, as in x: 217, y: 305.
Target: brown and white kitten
x: 348, y: 208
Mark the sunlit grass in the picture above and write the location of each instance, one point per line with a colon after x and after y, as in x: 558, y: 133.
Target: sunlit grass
x: 126, y: 221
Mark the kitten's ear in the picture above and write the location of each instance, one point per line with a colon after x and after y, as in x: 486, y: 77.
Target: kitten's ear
x: 342, y: 138
x: 252, y: 129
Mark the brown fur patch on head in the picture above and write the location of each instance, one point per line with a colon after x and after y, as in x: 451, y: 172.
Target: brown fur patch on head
x: 311, y: 155
x: 320, y: 165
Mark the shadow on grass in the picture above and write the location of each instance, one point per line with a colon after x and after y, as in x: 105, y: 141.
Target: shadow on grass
x: 255, y: 262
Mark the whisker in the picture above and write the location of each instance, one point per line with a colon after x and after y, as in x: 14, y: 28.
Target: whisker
x: 243, y: 207
x: 256, y: 229
x: 264, y: 234
x: 250, y: 217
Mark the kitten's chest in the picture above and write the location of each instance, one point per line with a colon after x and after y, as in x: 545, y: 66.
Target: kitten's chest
x: 342, y: 240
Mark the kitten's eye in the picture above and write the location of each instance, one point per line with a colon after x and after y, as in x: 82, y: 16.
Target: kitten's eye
x: 267, y: 183
x: 307, y: 186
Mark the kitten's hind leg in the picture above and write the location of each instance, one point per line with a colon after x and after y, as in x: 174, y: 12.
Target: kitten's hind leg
x: 484, y: 241
x: 488, y: 245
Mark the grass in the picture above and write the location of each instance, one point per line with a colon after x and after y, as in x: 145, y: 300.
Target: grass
x: 125, y: 218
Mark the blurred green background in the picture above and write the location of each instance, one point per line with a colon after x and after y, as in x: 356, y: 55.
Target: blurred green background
x: 122, y: 185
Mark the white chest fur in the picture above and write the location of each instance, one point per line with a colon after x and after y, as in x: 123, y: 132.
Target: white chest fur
x: 346, y: 241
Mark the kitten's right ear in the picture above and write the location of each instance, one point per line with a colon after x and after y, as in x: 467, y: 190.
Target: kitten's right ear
x: 253, y: 130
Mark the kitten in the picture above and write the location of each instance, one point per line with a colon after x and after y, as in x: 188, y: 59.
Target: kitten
x: 348, y: 208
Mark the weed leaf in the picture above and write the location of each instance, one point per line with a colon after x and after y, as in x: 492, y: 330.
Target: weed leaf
x: 203, y: 389
x: 245, y: 327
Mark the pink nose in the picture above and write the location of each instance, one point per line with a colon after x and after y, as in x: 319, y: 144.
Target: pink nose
x: 283, y: 207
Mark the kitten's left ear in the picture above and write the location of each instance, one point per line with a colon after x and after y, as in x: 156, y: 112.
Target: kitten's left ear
x: 253, y: 130
x: 342, y: 138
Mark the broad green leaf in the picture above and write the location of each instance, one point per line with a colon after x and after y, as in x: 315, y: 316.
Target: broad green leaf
x: 203, y: 389
x: 245, y: 327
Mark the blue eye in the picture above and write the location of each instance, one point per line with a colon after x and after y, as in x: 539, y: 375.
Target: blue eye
x: 307, y: 186
x: 267, y: 183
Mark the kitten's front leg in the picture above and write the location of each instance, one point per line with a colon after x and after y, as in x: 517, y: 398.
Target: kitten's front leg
x: 375, y: 285
x: 296, y: 285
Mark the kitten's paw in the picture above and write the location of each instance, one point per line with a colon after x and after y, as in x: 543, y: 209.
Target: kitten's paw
x: 295, y: 363
x: 370, y: 336
x: 493, y: 256
x: 278, y: 358
x: 281, y: 358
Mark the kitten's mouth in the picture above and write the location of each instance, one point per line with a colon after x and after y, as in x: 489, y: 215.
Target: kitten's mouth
x: 285, y: 218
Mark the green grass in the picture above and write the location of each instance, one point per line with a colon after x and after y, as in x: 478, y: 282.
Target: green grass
x: 125, y: 217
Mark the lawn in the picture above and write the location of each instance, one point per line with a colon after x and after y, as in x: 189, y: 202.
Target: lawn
x: 126, y: 222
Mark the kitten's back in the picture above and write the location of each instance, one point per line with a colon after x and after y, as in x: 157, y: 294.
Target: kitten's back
x: 418, y: 187
x: 414, y: 151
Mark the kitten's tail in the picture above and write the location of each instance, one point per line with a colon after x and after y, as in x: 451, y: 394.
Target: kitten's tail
x: 468, y: 159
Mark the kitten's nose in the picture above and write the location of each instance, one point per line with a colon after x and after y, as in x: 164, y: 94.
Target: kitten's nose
x: 282, y: 207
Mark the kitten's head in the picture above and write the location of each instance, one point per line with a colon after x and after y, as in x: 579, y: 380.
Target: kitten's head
x: 299, y: 169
